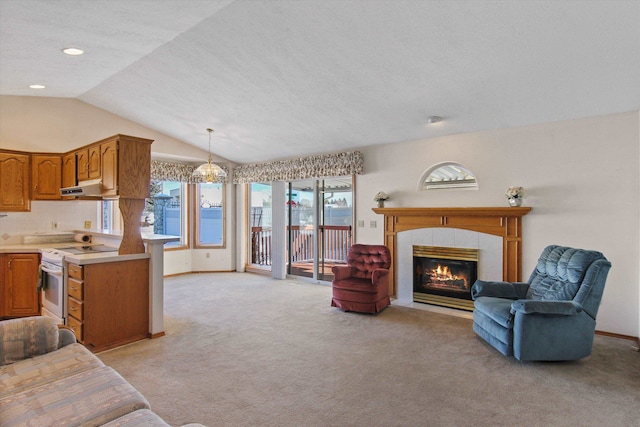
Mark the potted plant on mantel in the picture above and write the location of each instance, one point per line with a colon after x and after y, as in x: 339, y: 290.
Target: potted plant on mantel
x: 381, y: 197
x: 515, y: 195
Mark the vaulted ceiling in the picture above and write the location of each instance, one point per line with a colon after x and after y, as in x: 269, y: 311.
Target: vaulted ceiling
x: 283, y: 78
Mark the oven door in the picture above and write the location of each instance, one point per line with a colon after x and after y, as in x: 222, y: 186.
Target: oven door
x: 53, y: 296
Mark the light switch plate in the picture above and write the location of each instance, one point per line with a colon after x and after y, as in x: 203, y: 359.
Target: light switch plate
x: 361, y: 223
x: 373, y: 224
x: 87, y: 224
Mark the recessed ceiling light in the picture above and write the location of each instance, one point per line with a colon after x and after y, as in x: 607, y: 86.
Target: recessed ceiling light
x: 74, y: 51
x: 37, y: 86
x: 433, y: 119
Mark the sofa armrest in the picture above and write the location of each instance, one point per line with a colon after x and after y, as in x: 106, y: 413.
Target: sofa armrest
x: 341, y: 272
x: 564, y: 308
x: 27, y: 337
x: 66, y: 336
x: 508, y: 290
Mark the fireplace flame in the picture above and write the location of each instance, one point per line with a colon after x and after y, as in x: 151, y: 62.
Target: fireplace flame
x: 442, y: 272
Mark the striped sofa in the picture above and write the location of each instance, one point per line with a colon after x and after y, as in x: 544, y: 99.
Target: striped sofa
x: 47, y: 379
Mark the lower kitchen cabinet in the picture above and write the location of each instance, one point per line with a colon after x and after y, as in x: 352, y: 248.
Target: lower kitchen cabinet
x: 19, y: 274
x: 108, y: 303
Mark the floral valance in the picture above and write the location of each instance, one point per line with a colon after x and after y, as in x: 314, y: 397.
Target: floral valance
x: 325, y: 165
x: 178, y: 172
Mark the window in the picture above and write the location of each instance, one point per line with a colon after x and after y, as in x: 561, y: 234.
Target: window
x: 111, y: 217
x: 447, y: 175
x: 210, y: 214
x: 165, y: 211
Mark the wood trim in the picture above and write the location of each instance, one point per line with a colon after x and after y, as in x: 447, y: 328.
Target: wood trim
x: 620, y: 336
x: 498, y: 221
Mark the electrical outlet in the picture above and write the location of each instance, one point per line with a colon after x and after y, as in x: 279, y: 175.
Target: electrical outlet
x: 373, y: 224
x: 54, y: 225
x: 87, y: 224
x: 361, y: 223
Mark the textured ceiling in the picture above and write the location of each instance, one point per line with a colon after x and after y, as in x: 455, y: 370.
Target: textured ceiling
x: 281, y: 79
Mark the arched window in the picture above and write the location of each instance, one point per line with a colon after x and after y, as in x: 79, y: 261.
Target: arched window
x: 447, y: 175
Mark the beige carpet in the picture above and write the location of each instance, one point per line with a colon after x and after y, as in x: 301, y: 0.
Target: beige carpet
x: 245, y: 350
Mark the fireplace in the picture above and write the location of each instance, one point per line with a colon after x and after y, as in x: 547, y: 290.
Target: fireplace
x: 444, y: 276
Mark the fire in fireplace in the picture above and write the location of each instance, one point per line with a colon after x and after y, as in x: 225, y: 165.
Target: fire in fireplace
x: 444, y: 276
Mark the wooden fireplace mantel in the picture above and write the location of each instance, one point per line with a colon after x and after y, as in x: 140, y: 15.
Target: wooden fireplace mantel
x: 504, y: 222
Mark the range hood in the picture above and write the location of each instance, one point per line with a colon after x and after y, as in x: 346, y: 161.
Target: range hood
x: 92, y: 187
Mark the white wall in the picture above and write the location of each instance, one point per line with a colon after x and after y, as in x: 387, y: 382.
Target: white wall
x: 581, y: 178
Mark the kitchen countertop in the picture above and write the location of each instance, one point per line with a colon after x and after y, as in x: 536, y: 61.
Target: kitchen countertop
x: 81, y: 259
x: 92, y: 258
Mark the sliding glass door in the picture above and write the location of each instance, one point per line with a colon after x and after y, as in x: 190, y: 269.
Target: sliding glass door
x: 319, y: 226
x: 260, y: 225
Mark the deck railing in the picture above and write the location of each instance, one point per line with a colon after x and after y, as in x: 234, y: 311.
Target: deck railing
x: 337, y: 239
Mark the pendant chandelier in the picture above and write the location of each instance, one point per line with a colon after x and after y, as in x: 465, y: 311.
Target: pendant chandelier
x: 208, y: 171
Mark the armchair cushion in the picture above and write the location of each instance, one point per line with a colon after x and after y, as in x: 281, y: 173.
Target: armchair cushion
x: 27, y: 337
x: 565, y: 308
x: 507, y: 290
x: 497, y: 309
x: 363, y: 259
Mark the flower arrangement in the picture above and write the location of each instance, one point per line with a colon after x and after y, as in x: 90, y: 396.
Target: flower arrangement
x: 515, y: 193
x: 381, y: 197
x: 515, y: 196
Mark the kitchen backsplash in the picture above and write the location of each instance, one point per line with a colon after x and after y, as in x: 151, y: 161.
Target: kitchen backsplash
x: 48, y: 216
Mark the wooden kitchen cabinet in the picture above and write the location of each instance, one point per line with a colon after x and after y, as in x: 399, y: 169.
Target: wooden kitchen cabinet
x: 95, y: 162
x: 82, y: 164
x: 122, y: 163
x: 108, y: 303
x: 109, y: 167
x: 19, y: 274
x: 69, y: 172
x: 15, y: 182
x: 46, y: 176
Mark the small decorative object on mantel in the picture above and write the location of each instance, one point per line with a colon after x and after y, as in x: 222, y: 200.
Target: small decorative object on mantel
x: 515, y: 195
x: 381, y: 197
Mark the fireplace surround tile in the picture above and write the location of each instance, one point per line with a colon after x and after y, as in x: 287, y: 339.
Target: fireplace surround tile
x: 489, y: 265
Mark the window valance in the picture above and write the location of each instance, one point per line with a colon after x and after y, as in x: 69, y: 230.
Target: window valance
x: 178, y: 172
x: 320, y: 166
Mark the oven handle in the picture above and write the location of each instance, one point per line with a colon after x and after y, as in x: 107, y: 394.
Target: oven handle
x: 50, y: 271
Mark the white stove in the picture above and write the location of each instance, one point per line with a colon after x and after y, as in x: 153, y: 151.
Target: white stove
x: 54, y: 294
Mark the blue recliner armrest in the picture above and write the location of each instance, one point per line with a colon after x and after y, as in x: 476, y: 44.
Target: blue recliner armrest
x: 565, y: 308
x: 507, y: 290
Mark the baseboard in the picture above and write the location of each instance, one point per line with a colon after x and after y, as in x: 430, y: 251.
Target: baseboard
x: 197, y: 272
x: 624, y: 337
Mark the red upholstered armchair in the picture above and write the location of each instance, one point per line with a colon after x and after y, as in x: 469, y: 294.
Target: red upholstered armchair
x: 363, y: 284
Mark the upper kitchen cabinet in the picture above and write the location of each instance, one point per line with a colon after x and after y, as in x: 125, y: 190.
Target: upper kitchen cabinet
x: 88, y: 163
x: 15, y: 182
x: 125, y: 166
x: 69, y: 171
x: 109, y: 167
x: 46, y: 176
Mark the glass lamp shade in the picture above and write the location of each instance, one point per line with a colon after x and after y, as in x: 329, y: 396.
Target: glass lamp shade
x: 209, y: 170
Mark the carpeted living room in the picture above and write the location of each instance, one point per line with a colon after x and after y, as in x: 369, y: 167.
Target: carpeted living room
x: 245, y: 350
x: 319, y: 213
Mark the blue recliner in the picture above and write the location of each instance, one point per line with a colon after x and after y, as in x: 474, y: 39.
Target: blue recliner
x: 553, y: 316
